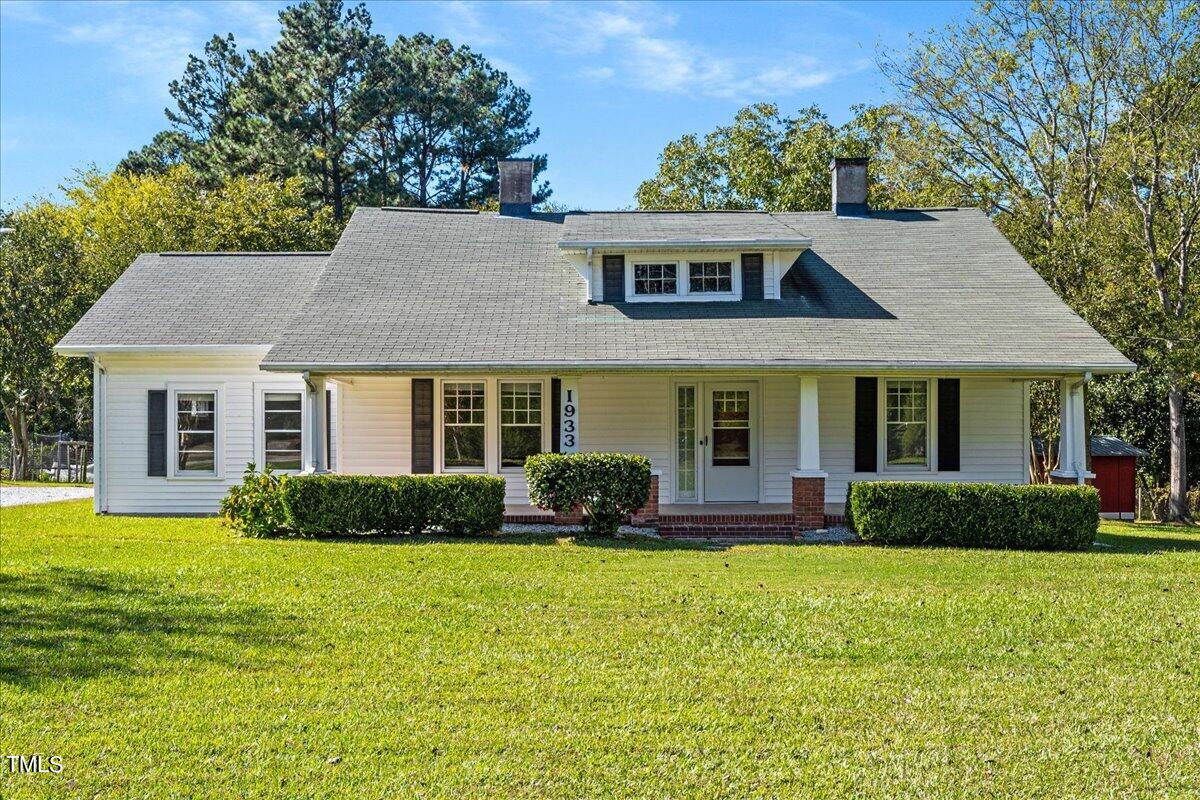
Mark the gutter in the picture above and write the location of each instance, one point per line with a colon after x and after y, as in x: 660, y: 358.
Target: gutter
x: 1038, y: 370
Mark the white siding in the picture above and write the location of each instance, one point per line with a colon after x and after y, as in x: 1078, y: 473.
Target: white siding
x: 991, y: 436
x: 376, y: 426
x: 130, y: 377
x: 627, y: 413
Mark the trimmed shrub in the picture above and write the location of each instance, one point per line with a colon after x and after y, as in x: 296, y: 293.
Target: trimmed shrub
x: 316, y: 505
x: 608, y: 486
x: 1037, y: 517
x: 255, y: 506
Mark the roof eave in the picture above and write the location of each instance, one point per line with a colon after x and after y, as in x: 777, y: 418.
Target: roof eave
x: 844, y: 367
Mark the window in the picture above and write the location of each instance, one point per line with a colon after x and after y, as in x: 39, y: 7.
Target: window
x: 907, y: 423
x: 520, y: 422
x: 283, y: 430
x: 463, y: 425
x: 685, y: 442
x: 710, y: 276
x: 654, y: 278
x: 196, y: 433
x: 731, y: 428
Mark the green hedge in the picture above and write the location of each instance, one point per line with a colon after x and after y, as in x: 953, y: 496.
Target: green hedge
x: 608, y: 486
x: 1037, y: 517
x: 316, y: 505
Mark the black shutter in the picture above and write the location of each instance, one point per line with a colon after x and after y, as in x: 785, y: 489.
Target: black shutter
x: 555, y: 414
x: 614, y: 279
x: 866, y: 424
x: 422, y: 425
x: 156, y: 433
x: 948, y: 424
x: 752, y: 276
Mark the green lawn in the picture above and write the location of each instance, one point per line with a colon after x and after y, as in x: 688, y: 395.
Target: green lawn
x: 166, y: 658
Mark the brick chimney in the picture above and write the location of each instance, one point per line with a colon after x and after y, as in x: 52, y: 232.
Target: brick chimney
x: 516, y: 187
x: 850, y: 187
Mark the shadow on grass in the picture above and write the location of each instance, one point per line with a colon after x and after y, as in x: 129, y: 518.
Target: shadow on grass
x: 647, y: 543
x: 1135, y: 538
x: 70, y: 624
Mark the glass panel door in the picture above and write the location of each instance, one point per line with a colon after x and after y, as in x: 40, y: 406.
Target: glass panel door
x: 731, y: 428
x: 728, y: 443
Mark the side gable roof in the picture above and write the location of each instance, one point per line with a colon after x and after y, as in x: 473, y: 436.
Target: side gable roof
x: 938, y: 289
x: 198, y: 299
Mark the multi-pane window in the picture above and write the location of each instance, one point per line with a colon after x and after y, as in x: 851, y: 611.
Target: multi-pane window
x: 731, y: 428
x: 463, y: 421
x: 907, y: 423
x: 654, y: 279
x: 282, y: 430
x: 520, y: 422
x: 196, y: 432
x: 710, y: 276
x: 685, y: 441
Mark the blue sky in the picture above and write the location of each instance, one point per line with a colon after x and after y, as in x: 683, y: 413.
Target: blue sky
x: 83, y: 83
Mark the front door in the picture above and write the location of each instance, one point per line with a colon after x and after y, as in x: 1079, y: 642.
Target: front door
x: 730, y: 443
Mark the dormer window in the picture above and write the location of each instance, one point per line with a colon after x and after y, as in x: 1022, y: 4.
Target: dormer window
x: 710, y: 276
x: 655, y: 279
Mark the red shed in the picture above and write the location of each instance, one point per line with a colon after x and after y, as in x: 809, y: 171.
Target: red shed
x: 1115, y: 465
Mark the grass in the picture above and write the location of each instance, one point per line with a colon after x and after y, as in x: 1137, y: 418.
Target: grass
x: 41, y: 484
x: 166, y: 658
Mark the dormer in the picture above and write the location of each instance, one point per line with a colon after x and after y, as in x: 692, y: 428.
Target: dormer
x: 680, y: 256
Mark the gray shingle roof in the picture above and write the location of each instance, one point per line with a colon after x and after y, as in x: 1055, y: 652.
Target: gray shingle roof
x: 193, y: 299
x: 1112, y: 446
x: 924, y: 288
x: 594, y: 228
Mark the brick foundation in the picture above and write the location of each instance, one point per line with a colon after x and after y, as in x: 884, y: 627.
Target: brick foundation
x: 726, y: 525
x: 808, y: 504
x: 647, y: 516
x: 572, y: 517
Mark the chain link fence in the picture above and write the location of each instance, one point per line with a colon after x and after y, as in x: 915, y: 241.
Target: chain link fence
x: 53, y: 457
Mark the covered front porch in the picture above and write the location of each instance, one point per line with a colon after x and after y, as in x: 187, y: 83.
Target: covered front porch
x: 752, y: 453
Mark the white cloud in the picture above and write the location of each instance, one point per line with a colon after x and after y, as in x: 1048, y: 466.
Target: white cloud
x: 151, y: 42
x: 629, y: 43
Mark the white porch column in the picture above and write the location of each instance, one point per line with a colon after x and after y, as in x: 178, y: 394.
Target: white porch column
x: 1072, y: 443
x: 315, y: 397
x: 808, y: 428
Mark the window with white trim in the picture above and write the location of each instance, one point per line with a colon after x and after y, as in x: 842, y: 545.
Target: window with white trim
x: 196, y: 433
x: 283, y: 430
x: 654, y: 279
x: 520, y: 422
x: 906, y: 423
x: 464, y: 422
x: 707, y: 277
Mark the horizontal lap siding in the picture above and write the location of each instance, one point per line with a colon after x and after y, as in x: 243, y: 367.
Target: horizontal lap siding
x: 991, y: 435
x: 376, y: 426
x: 629, y: 414
x: 781, y: 401
x: 129, y: 377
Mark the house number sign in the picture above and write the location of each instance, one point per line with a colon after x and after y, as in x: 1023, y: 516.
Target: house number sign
x: 568, y: 431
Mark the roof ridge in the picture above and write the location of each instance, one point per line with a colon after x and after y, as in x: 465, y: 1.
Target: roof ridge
x: 416, y: 210
x: 218, y: 253
x: 675, y: 211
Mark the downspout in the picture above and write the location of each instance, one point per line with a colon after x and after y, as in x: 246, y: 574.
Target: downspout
x: 99, y: 435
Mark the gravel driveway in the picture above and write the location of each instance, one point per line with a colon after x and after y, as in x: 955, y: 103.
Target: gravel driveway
x: 25, y: 495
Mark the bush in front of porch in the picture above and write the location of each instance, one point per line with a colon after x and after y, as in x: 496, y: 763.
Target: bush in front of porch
x: 1009, y: 517
x: 608, y: 486
x: 316, y: 505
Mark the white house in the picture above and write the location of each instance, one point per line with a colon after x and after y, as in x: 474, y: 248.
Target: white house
x: 761, y: 361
